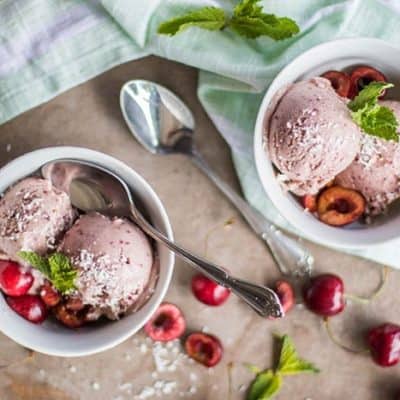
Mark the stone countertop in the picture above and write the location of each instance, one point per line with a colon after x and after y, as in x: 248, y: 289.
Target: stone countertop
x: 89, y: 116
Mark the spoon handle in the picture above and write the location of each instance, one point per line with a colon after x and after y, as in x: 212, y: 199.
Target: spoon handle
x: 291, y: 257
x: 262, y: 299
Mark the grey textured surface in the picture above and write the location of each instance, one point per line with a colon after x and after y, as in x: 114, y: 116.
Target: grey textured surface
x: 89, y: 116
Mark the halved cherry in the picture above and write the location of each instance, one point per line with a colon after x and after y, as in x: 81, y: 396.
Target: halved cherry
x: 29, y: 307
x: 204, y: 348
x: 13, y: 280
x: 209, y: 292
x: 309, y: 202
x: 166, y: 324
x: 340, y: 82
x: 50, y: 296
x: 69, y: 318
x: 340, y: 206
x: 363, y: 76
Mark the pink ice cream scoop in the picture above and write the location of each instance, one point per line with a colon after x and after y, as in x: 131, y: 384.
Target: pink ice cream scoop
x: 375, y: 172
x: 115, y: 263
x: 309, y: 135
x: 33, y: 216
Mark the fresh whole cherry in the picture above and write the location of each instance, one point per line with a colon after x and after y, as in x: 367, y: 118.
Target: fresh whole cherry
x: 286, y: 296
x: 209, y: 292
x: 340, y: 82
x: 338, y: 206
x: 285, y: 292
x: 204, y: 348
x: 29, y: 307
x: 324, y: 295
x: 363, y: 76
x: 384, y: 344
x: 166, y: 324
x: 13, y: 280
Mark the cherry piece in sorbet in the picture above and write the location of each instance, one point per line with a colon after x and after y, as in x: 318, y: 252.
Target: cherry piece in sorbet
x: 340, y: 82
x: 204, y: 348
x: 384, y: 343
x: 166, y: 324
x: 340, y: 206
x: 363, y: 76
x: 29, y: 307
x: 50, y: 296
x: 67, y: 317
x: 13, y: 280
x: 309, y: 202
x: 324, y: 295
x: 209, y: 292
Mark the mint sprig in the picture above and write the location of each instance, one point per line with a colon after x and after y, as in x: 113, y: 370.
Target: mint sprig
x: 267, y: 383
x: 247, y: 20
x: 210, y: 18
x: 57, y: 268
x: 373, y: 118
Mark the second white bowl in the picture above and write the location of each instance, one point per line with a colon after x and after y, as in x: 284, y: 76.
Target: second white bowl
x: 336, y: 55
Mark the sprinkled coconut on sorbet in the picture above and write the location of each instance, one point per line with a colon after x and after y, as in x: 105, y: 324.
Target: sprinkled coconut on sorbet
x: 114, y: 259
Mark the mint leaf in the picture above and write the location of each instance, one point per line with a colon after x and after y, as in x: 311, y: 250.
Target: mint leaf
x: 62, y: 272
x: 247, y: 8
x: 36, y: 261
x: 289, y: 361
x: 374, y: 119
x: 265, y: 25
x: 57, y: 268
x: 265, y: 386
x: 247, y: 20
x: 369, y: 95
x: 211, y: 18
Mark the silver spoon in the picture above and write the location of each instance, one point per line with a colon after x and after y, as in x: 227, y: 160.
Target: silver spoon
x: 163, y: 124
x: 94, y: 188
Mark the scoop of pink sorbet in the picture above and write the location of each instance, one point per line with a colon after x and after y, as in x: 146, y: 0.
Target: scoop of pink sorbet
x: 33, y: 216
x: 375, y: 172
x: 309, y: 135
x: 115, y: 262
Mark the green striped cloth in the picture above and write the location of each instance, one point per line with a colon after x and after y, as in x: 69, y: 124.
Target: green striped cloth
x: 49, y: 46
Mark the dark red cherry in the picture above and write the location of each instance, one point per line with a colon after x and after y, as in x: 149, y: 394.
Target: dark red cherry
x: 384, y: 343
x: 209, y: 292
x: 324, y: 295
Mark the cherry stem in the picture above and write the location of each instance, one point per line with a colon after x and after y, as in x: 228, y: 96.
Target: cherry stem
x: 365, y: 300
x: 338, y: 342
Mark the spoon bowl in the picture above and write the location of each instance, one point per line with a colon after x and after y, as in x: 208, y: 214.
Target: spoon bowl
x: 160, y: 121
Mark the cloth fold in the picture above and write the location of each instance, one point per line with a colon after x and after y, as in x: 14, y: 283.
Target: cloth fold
x: 49, y: 46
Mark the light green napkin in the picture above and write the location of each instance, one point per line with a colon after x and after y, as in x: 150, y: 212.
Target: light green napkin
x: 48, y: 46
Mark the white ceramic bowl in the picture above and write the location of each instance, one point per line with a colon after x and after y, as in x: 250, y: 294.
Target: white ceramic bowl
x: 341, y: 54
x: 51, y: 337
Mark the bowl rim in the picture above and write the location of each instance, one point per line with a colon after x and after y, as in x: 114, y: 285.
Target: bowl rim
x: 57, y: 152
x: 316, y: 231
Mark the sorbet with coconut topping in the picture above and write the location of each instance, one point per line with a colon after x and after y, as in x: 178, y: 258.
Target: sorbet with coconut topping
x: 310, y: 135
x: 115, y: 261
